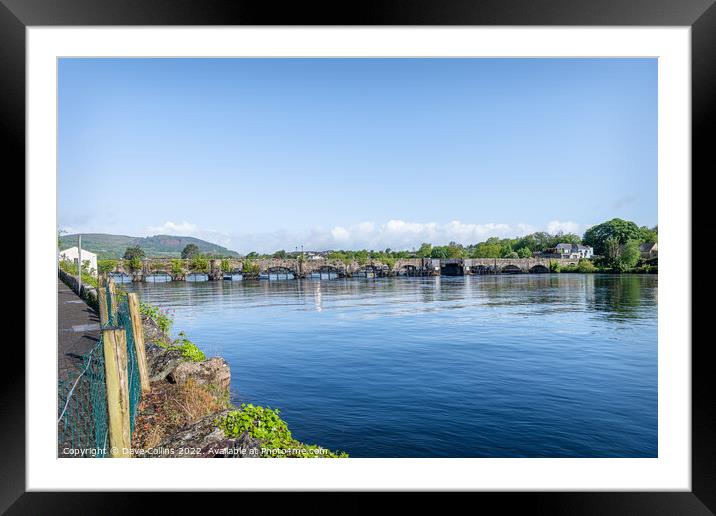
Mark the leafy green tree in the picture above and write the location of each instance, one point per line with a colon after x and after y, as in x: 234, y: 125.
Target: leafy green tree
x: 388, y: 260
x: 225, y: 266
x: 250, y: 267
x: 134, y: 264
x: 177, y: 267
x: 612, y: 252
x: 425, y: 250
x: 106, y: 266
x: 491, y: 248
x: 440, y: 252
x: 620, y: 230
x: 190, y: 251
x: 648, y: 235
x: 455, y: 250
x: 134, y: 252
x: 281, y: 254
x: 629, y: 255
x: 199, y: 264
x: 361, y: 257
x: 524, y: 252
x: 512, y: 255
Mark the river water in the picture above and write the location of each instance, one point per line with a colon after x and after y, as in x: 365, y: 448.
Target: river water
x: 553, y: 365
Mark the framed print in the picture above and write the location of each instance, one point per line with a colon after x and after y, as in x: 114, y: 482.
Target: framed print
x: 438, y: 248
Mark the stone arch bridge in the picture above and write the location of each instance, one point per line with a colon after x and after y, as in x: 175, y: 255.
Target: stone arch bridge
x: 179, y: 269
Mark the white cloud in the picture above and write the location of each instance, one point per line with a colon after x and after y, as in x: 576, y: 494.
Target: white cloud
x: 188, y: 229
x: 555, y: 226
x: 396, y: 234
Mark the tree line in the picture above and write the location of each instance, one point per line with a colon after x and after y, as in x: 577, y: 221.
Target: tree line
x: 615, y: 243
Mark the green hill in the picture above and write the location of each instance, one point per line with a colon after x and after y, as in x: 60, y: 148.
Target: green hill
x: 108, y: 247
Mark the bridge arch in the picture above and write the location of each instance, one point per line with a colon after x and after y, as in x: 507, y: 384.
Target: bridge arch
x: 327, y: 272
x: 368, y: 271
x: 511, y: 269
x: 278, y: 273
x: 408, y: 269
x: 158, y: 276
x: 120, y: 276
x: 196, y: 276
x: 539, y: 269
x: 482, y: 269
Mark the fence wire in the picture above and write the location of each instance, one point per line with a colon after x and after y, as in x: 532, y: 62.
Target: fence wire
x: 82, y: 415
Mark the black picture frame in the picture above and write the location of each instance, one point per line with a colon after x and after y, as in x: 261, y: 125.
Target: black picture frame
x: 700, y: 15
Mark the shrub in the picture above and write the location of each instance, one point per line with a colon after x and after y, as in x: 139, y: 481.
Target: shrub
x: 225, y: 266
x: 133, y: 264
x: 524, y: 252
x: 199, y: 264
x: 156, y: 314
x: 106, y: 266
x: 133, y: 252
x: 586, y: 266
x: 70, y: 268
x: 249, y: 267
x: 177, y: 267
x: 188, y: 348
x: 554, y: 266
x: 264, y: 423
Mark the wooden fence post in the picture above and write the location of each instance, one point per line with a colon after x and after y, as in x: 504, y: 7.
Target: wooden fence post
x: 116, y: 379
x: 102, y: 301
x: 138, y: 332
x: 113, y: 300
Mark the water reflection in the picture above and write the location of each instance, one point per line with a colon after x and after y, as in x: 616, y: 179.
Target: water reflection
x: 550, y: 365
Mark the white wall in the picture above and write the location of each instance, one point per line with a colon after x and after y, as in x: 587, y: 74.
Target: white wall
x: 72, y: 254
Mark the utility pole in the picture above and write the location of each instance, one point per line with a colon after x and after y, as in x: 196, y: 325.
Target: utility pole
x: 79, y: 264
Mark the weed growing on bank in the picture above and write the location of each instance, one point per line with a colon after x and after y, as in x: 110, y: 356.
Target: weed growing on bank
x: 264, y: 423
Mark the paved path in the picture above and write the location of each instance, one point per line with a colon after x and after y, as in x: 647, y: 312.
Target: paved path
x: 78, y: 328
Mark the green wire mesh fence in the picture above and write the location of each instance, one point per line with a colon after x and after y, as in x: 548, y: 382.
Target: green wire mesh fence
x: 135, y: 388
x: 83, y: 420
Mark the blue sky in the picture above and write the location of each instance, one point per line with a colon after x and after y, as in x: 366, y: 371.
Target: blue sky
x: 264, y: 154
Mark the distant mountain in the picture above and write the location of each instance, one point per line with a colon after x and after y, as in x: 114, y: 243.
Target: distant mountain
x: 109, y: 247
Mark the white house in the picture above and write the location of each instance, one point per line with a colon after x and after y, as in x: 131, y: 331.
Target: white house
x: 72, y: 254
x: 574, y: 251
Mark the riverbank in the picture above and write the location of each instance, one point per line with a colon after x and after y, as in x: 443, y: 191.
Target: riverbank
x: 187, y: 413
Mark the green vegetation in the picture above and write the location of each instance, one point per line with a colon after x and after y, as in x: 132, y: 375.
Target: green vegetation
x: 225, y: 266
x: 586, y: 266
x: 601, y: 236
x: 554, y: 266
x: 134, y: 264
x: 188, y: 349
x: 161, y: 317
x: 620, y: 257
x: 160, y: 246
x: 524, y: 252
x: 106, y: 266
x: 250, y: 267
x: 190, y: 251
x: 199, y: 264
x: 70, y: 267
x: 265, y: 424
x: 177, y: 268
x: 134, y: 252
